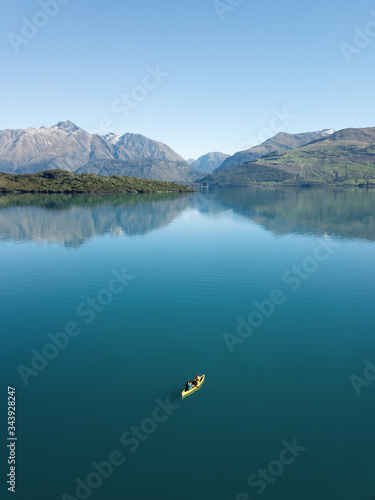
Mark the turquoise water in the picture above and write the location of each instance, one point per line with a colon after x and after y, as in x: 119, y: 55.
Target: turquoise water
x: 152, y: 289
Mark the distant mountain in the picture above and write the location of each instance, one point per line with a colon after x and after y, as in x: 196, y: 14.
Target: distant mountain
x: 68, y: 147
x: 346, y: 157
x: 280, y: 142
x: 144, y: 168
x: 209, y: 162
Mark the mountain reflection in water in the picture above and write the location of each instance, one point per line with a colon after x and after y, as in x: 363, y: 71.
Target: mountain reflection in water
x: 72, y: 220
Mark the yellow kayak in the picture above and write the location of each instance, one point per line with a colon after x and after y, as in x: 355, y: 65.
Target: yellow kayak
x: 194, y: 388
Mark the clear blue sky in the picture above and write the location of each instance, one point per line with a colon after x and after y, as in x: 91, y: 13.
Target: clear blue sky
x: 224, y: 70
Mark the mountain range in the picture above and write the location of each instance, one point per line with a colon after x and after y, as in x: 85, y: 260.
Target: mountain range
x: 323, y: 157
x: 69, y: 147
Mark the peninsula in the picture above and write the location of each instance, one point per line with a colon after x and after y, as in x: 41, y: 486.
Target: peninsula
x: 62, y: 181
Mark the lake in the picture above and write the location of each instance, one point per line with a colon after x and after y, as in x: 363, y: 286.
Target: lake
x: 110, y: 303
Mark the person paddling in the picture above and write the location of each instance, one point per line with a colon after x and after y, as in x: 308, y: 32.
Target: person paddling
x: 188, y: 386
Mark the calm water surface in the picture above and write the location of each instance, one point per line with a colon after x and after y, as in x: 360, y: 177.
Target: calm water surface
x: 153, y: 290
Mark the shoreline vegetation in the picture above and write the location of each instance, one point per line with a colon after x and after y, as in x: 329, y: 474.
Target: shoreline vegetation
x: 295, y: 183
x: 62, y: 181
x: 278, y: 179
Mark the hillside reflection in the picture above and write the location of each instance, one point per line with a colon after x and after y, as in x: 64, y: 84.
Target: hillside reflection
x: 346, y: 213
x: 72, y: 220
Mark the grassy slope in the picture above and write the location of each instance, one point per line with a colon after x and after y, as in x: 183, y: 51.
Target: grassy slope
x: 279, y: 143
x: 61, y: 181
x: 328, y: 162
x: 247, y: 174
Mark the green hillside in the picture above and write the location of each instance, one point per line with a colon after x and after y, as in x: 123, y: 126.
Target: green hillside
x: 247, y: 174
x: 62, y: 181
x: 345, y: 158
x: 327, y: 163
